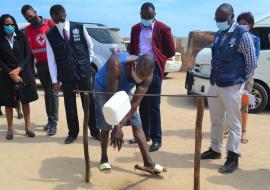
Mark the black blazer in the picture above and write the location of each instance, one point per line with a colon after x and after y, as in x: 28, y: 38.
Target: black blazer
x: 10, y: 59
x: 20, y: 55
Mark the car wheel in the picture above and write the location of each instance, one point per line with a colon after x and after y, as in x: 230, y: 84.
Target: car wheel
x: 261, y: 97
x: 166, y: 74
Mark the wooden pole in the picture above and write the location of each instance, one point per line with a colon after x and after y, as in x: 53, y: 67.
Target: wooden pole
x: 198, y: 141
x: 85, y: 136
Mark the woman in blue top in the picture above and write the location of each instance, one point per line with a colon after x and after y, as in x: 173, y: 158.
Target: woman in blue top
x: 246, y: 20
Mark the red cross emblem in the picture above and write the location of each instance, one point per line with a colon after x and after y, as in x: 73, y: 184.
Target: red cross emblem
x: 40, y: 39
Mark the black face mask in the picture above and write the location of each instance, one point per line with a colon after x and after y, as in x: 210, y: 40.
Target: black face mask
x: 34, y: 21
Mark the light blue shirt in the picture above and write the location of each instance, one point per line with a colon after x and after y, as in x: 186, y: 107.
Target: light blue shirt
x: 145, y: 45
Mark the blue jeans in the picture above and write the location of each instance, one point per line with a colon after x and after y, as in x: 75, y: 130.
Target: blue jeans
x: 150, y: 109
x: 100, y: 100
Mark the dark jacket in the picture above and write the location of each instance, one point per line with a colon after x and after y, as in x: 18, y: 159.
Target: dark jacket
x: 19, y: 56
x: 162, y: 40
x: 72, y: 58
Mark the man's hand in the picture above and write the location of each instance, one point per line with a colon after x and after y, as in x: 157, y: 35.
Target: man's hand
x: 15, y: 72
x: 16, y: 78
x: 117, y: 137
x: 56, y: 87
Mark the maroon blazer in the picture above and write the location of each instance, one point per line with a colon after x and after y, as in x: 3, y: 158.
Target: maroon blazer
x: 162, y: 42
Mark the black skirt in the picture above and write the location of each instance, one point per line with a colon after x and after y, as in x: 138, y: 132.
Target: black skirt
x: 10, y: 95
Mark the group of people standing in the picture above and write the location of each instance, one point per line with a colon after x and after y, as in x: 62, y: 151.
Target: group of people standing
x: 63, y: 51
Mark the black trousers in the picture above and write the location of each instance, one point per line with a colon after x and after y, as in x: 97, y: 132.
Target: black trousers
x: 150, y: 109
x: 71, y: 106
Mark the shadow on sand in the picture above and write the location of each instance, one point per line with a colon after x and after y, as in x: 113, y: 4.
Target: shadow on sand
x: 244, y: 179
x: 55, y: 170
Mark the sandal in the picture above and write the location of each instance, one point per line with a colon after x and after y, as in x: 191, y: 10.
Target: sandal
x: 105, y: 167
x: 244, y: 140
x: 30, y: 133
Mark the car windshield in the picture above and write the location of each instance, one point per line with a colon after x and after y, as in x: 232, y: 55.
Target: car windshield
x: 264, y: 34
x: 104, y: 35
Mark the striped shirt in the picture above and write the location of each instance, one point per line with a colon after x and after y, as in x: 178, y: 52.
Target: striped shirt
x: 247, y: 48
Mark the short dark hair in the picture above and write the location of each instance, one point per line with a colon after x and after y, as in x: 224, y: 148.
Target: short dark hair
x: 147, y: 6
x: 228, y: 7
x: 57, y: 9
x: 247, y: 16
x: 147, y: 61
x: 26, y: 8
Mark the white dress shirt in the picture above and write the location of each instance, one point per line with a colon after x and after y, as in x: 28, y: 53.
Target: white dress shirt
x: 11, y: 40
x: 50, y: 54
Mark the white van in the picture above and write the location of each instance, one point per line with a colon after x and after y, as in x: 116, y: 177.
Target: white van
x: 197, y: 80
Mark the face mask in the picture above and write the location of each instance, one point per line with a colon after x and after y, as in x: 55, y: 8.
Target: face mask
x: 10, y: 29
x: 147, y: 23
x: 34, y: 21
x: 135, y: 76
x: 223, y: 26
x: 245, y: 27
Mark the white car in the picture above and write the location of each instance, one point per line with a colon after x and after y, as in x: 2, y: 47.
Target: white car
x: 173, y: 64
x: 106, y: 41
x: 197, y: 80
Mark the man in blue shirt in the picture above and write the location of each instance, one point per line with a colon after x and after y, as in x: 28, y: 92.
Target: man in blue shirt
x: 122, y: 72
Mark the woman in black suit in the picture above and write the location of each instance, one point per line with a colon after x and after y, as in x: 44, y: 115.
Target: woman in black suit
x: 16, y: 79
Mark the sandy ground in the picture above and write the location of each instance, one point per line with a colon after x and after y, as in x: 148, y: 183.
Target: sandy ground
x: 46, y: 163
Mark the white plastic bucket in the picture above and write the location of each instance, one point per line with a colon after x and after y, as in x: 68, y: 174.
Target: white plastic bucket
x: 116, y: 108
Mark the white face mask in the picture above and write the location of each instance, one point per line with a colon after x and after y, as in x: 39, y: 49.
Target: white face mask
x: 134, y: 74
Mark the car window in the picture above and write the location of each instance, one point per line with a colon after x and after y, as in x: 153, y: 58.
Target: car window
x: 264, y: 34
x: 103, y: 35
x: 116, y: 36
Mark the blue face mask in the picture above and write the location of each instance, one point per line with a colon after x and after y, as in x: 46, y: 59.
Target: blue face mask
x: 223, y: 26
x: 10, y: 29
x: 147, y: 23
x: 245, y: 27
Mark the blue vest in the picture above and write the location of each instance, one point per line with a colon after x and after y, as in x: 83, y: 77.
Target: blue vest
x: 227, y: 62
x: 123, y: 83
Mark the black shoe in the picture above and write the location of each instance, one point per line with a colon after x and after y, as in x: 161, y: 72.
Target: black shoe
x: 132, y: 141
x: 52, y: 131
x: 154, y: 147
x: 30, y: 133
x: 70, y: 140
x: 1, y: 113
x: 47, y: 127
x: 20, y: 115
x: 231, y: 163
x: 148, y: 139
x: 210, y: 154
